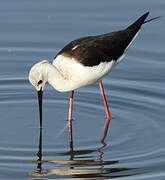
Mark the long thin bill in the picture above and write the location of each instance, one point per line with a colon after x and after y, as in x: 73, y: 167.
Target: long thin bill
x: 40, y: 105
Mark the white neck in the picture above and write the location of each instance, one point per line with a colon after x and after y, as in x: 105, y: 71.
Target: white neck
x: 56, y: 79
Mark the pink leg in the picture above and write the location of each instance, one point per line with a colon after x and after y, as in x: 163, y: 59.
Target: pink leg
x: 105, y: 102
x: 105, y: 131
x: 71, y: 107
x: 71, y: 137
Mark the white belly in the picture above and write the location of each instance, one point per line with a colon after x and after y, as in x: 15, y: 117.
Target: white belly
x: 79, y: 75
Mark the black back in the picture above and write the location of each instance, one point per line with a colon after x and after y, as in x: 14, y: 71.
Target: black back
x: 92, y: 50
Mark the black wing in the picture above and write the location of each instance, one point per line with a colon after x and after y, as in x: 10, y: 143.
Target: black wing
x: 92, y: 50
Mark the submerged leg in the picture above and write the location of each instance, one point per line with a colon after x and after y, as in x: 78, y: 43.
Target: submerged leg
x: 104, y: 101
x: 71, y: 107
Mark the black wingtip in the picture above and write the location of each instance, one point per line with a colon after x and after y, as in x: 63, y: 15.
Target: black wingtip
x: 140, y: 21
x: 152, y: 19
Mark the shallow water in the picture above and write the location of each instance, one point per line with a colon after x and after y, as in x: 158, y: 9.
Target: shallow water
x: 134, y: 147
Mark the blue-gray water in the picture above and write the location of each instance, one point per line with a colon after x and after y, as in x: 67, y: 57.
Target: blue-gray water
x: 31, y: 31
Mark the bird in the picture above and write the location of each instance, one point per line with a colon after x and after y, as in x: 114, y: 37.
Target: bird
x: 85, y: 61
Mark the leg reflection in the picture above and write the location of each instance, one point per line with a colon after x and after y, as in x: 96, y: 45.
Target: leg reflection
x: 78, y: 163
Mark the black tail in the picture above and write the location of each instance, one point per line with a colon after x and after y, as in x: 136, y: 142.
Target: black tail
x: 137, y: 24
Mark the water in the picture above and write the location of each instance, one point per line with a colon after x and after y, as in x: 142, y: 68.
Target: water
x: 134, y: 147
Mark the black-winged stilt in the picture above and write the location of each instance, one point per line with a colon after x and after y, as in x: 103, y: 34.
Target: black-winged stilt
x: 83, y: 62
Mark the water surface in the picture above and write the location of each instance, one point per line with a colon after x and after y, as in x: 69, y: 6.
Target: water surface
x: 134, y: 147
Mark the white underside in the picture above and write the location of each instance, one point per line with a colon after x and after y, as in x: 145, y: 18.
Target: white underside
x: 79, y: 75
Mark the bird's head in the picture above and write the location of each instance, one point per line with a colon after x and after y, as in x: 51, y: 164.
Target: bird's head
x: 37, y: 75
x: 38, y: 78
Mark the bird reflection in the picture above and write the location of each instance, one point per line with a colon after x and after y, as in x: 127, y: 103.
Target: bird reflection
x: 73, y: 166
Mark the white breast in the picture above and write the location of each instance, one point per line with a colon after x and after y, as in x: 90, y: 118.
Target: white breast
x: 80, y: 75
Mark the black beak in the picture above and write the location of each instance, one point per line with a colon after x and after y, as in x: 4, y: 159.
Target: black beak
x: 40, y: 92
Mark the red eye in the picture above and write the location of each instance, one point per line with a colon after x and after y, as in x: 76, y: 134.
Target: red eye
x: 39, y: 82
